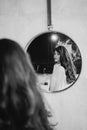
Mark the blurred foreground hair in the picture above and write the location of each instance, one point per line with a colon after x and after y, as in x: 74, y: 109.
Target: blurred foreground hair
x: 21, y: 104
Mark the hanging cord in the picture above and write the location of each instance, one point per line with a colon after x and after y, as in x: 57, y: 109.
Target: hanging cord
x: 49, y: 22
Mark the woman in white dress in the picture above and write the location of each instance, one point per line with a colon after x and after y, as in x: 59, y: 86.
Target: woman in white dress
x: 63, y: 71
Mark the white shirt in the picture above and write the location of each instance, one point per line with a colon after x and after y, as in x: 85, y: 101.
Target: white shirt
x: 58, y: 79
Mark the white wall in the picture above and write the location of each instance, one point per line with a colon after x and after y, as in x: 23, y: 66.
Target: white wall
x: 21, y: 20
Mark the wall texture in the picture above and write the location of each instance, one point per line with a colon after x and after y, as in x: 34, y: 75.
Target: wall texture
x: 21, y: 20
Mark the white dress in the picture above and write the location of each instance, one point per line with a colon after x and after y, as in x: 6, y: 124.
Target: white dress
x: 58, y: 78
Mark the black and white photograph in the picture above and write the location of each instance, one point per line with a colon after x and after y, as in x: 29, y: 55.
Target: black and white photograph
x: 43, y: 64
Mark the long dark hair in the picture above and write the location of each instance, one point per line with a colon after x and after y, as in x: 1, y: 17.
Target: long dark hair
x: 21, y: 104
x: 66, y: 63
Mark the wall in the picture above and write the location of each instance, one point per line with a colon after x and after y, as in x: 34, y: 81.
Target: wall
x: 21, y: 20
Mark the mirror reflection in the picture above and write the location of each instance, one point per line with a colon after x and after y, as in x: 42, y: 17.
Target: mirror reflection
x: 56, y: 59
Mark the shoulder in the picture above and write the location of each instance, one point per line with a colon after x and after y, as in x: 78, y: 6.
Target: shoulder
x: 62, y: 69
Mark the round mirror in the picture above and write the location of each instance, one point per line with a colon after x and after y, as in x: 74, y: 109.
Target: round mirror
x: 56, y: 59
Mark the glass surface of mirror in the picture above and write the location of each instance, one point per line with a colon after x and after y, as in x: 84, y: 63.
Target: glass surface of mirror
x: 56, y: 59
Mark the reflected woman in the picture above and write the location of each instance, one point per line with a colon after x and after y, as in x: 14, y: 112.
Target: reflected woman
x: 63, y: 73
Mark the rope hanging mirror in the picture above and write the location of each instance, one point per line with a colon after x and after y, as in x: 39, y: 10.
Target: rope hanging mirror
x: 56, y: 58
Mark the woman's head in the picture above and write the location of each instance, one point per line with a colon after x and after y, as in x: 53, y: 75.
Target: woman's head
x: 20, y: 101
x: 61, y: 53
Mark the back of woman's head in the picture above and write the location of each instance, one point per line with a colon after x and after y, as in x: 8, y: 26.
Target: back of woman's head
x: 21, y: 105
